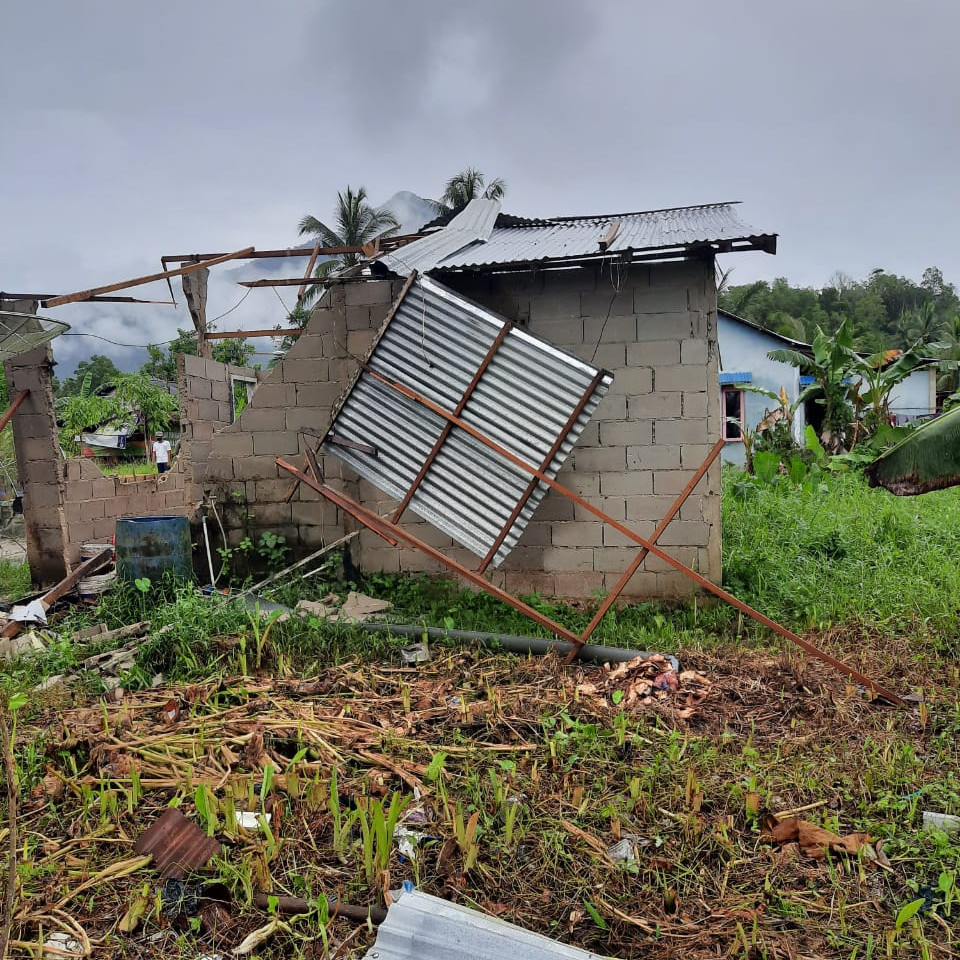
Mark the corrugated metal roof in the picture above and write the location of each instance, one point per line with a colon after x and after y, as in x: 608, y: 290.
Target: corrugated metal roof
x: 473, y: 224
x: 744, y: 377
x: 434, y: 344
x: 421, y: 927
x: 516, y: 241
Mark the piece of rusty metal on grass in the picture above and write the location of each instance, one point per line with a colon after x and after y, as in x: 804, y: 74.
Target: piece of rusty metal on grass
x: 544, y: 464
x: 139, y: 281
x: 177, y: 845
x: 294, y: 905
x: 636, y: 563
x: 648, y: 544
x: 382, y: 526
x: 448, y: 427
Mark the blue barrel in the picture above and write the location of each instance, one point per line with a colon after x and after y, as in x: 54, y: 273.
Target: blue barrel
x: 153, y: 546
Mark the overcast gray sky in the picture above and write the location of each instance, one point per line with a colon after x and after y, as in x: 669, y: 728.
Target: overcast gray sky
x: 133, y: 130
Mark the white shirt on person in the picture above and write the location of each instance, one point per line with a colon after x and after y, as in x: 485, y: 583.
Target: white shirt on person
x: 161, y: 451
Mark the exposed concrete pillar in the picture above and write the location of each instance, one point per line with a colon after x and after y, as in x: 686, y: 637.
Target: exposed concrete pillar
x: 39, y: 465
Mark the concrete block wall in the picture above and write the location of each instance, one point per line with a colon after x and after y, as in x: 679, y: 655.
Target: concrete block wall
x: 653, y: 327
x: 206, y: 405
x: 69, y: 502
x: 299, y: 392
x: 93, y: 502
x: 38, y: 458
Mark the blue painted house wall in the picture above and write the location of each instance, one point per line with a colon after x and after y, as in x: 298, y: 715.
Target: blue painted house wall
x: 743, y: 350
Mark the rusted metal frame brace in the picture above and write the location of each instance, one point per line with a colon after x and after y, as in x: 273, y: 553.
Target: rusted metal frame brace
x: 404, y: 290
x: 637, y: 562
x: 532, y: 485
x: 13, y: 408
x: 448, y: 427
x: 387, y: 529
x: 650, y: 546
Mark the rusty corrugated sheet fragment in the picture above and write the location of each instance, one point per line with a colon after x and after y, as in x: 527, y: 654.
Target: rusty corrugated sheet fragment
x: 178, y: 846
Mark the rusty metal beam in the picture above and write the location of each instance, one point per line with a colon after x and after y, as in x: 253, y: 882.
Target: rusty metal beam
x: 643, y: 542
x: 138, y: 281
x: 307, y: 272
x: 637, y: 561
x: 547, y: 460
x: 43, y: 297
x: 386, y: 528
x: 296, y: 281
x: 13, y: 408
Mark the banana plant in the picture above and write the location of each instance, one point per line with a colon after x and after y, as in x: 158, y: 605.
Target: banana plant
x: 928, y: 459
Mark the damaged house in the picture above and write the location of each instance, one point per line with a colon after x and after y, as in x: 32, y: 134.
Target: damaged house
x: 631, y: 296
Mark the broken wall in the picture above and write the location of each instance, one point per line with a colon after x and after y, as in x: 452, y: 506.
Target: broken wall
x: 654, y: 327
x: 69, y: 501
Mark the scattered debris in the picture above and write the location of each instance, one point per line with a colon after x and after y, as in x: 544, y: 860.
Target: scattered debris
x: 416, y: 653
x: 23, y: 645
x: 421, y: 927
x: 177, y: 845
x: 32, y: 612
x: 357, y: 608
x: 646, y: 680
x: 250, y: 819
x: 940, y: 821
x: 60, y: 945
x: 811, y: 840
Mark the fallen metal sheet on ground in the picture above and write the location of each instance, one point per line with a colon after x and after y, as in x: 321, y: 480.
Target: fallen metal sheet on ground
x: 177, y: 845
x: 527, y: 394
x: 422, y: 927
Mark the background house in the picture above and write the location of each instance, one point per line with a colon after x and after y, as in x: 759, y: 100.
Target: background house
x: 744, y: 349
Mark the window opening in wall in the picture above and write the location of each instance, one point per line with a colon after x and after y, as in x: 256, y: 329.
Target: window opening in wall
x: 733, y: 413
x: 241, y: 391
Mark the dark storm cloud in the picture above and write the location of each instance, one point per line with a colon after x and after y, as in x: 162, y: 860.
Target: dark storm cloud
x: 133, y: 130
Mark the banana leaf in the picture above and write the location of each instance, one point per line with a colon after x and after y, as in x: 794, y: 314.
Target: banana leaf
x: 928, y: 459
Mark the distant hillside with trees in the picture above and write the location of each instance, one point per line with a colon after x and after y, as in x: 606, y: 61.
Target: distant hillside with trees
x: 884, y: 311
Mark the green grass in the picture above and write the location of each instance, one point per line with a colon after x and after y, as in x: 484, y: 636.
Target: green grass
x: 843, y: 552
x: 874, y: 573
x: 128, y: 468
x: 14, y: 579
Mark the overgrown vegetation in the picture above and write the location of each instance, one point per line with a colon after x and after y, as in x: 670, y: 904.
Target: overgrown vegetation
x: 516, y: 777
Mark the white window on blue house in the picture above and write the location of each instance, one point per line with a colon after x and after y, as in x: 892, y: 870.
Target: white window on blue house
x: 733, y: 413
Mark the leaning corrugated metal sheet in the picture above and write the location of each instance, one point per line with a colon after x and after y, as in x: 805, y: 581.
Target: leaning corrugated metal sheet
x: 435, y: 343
x: 568, y: 238
x: 421, y: 927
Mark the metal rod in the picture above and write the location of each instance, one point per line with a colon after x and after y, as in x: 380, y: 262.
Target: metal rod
x: 240, y: 334
x: 139, y: 281
x: 448, y: 427
x: 635, y: 564
x: 644, y: 542
x: 13, y: 408
x: 307, y: 272
x: 544, y: 465
x: 379, y: 525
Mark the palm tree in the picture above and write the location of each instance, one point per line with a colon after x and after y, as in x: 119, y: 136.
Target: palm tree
x: 467, y: 185
x: 357, y: 223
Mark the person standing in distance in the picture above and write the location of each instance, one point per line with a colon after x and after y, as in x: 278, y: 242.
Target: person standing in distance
x: 161, y: 453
